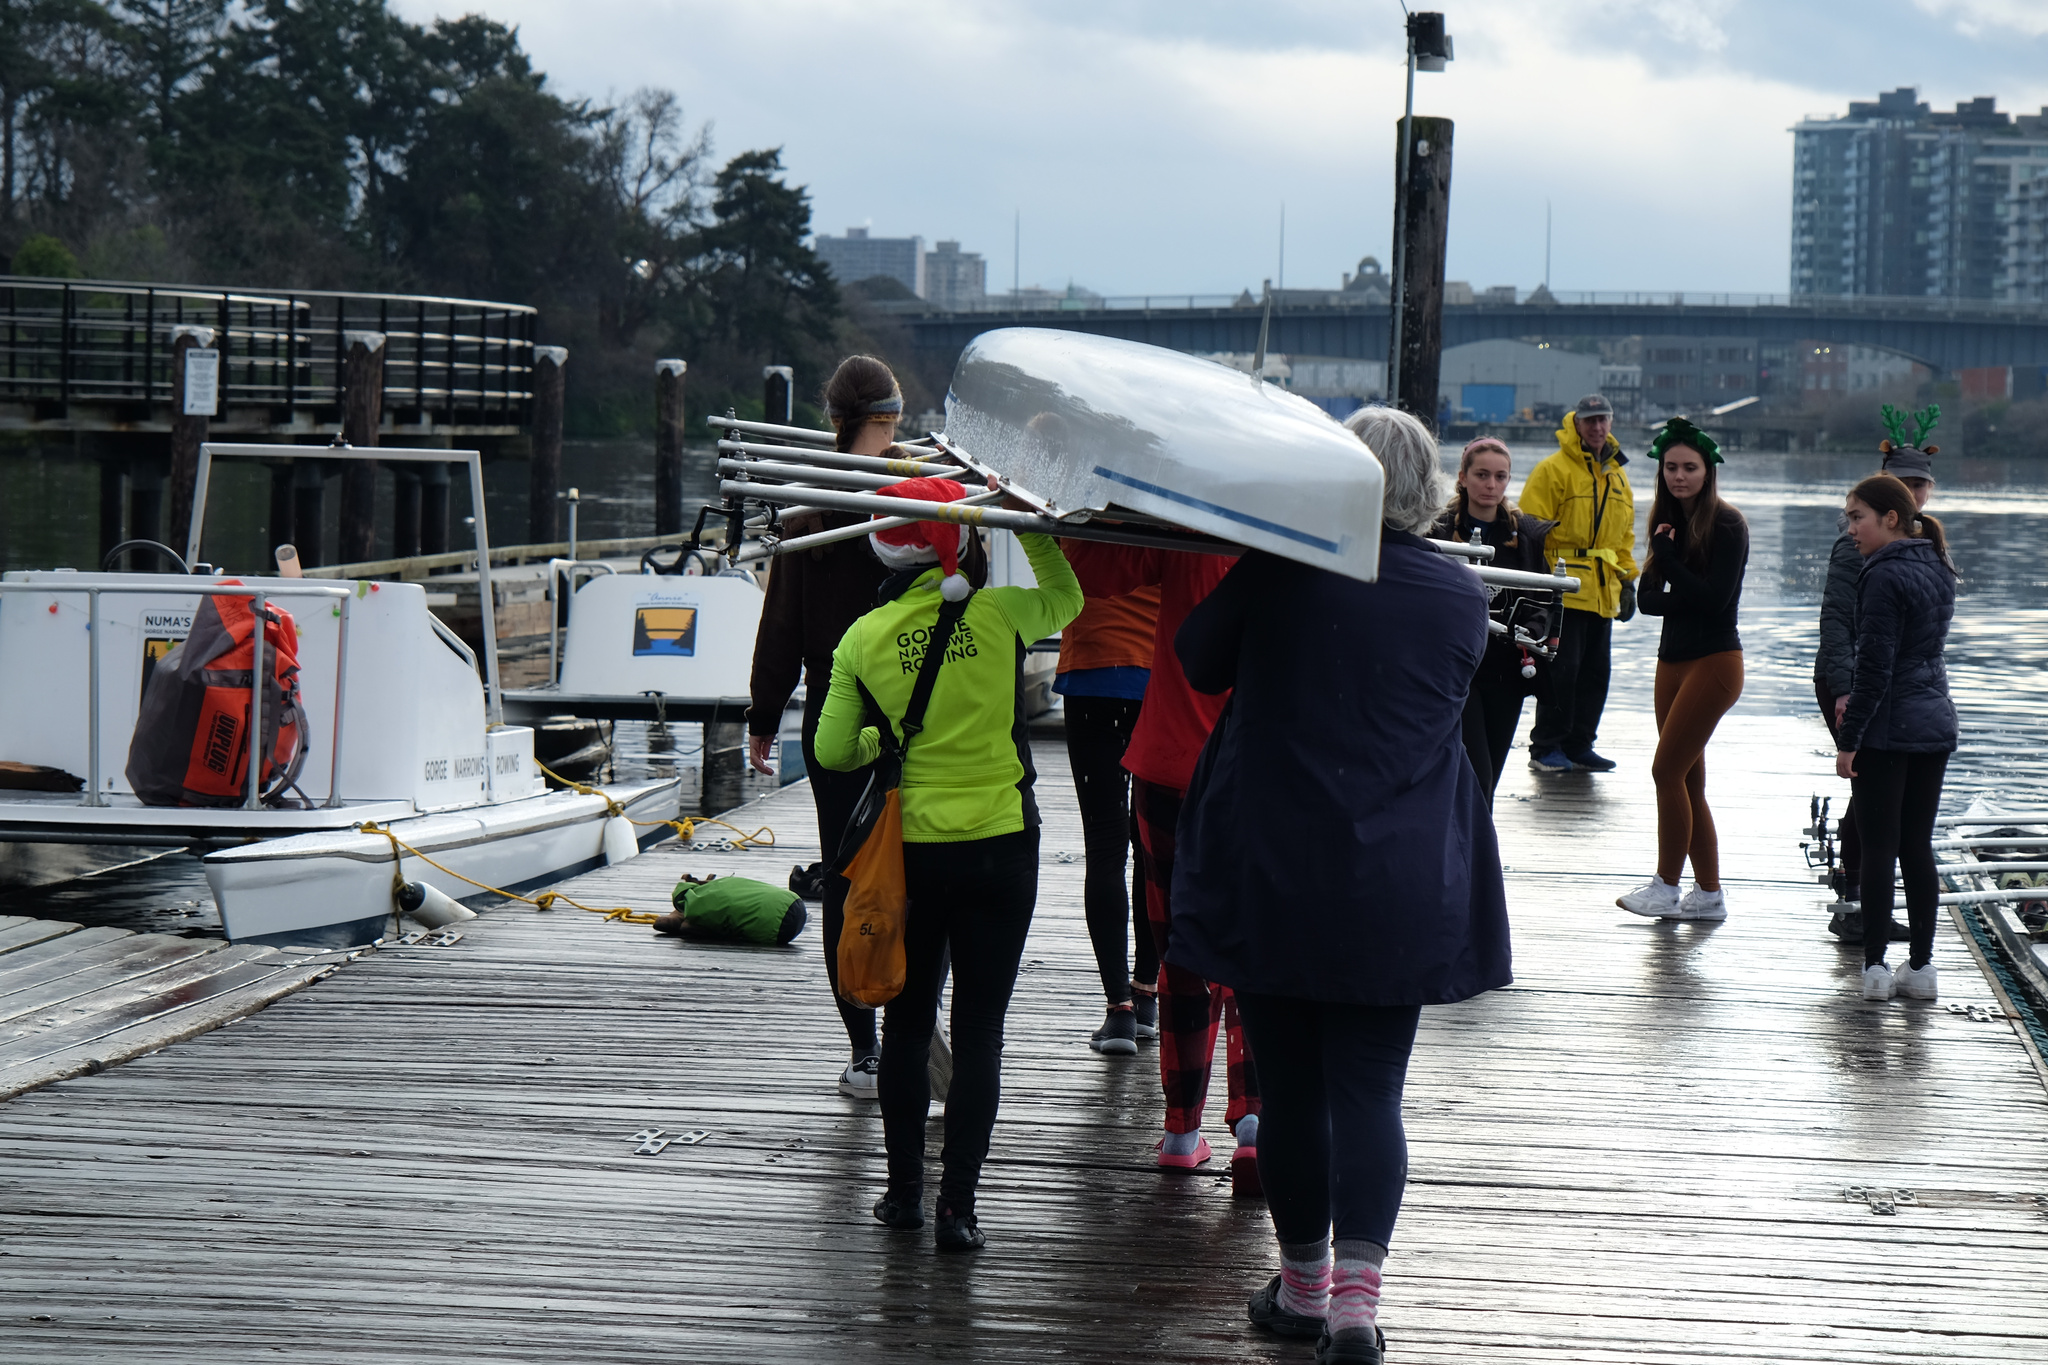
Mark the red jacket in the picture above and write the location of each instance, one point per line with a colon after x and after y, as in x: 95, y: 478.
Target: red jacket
x: 1175, y: 721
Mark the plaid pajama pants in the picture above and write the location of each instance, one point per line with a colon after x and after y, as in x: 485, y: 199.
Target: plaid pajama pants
x: 1190, y: 1009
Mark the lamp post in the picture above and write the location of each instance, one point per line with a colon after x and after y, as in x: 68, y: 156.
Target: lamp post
x: 1429, y: 47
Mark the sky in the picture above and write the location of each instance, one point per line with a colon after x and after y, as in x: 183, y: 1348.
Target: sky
x: 1149, y: 145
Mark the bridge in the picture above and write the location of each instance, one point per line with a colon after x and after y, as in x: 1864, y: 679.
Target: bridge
x: 1946, y: 335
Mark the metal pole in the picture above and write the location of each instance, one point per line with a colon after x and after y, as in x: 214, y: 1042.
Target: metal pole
x: 198, y: 524
x: 1400, y: 254
x: 92, y: 695
x: 254, y: 800
x: 340, y: 690
x: 494, y: 698
x: 575, y: 502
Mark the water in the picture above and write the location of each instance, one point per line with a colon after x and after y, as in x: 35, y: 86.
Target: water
x: 1995, y: 512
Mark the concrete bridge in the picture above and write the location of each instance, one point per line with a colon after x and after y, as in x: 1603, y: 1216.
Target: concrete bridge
x: 1944, y: 334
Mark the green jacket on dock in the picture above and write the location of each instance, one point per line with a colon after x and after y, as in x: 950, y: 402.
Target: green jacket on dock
x: 969, y: 774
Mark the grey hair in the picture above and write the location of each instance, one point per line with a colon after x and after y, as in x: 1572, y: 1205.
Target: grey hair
x: 1416, y: 489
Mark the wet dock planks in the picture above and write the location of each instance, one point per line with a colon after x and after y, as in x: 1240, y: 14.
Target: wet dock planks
x: 1639, y: 1153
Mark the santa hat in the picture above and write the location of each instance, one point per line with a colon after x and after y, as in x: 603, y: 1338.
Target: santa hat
x: 926, y: 542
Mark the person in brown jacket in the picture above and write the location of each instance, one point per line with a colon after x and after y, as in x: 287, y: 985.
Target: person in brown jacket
x: 812, y: 597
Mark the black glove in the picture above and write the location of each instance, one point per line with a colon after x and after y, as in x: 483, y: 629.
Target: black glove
x: 1628, y: 600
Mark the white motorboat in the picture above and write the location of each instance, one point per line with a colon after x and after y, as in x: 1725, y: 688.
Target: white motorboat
x: 404, y: 734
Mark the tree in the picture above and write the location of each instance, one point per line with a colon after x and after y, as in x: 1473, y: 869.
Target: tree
x: 767, y: 295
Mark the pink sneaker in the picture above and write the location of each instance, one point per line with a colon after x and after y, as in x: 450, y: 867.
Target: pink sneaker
x: 1168, y: 1161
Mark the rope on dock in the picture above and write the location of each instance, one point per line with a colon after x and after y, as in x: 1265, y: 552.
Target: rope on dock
x: 685, y: 828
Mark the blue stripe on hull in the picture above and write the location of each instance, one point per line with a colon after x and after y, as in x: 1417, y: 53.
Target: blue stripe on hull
x: 1241, y: 518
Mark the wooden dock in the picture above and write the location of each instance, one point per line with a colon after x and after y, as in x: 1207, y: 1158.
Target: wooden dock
x: 1643, y: 1151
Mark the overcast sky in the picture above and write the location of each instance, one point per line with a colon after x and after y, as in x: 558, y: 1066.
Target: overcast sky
x: 1149, y: 144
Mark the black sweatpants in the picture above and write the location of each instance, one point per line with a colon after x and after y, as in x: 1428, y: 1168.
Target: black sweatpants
x: 1849, y: 840
x: 1897, y: 797
x: 1569, y: 718
x: 835, y: 795
x: 974, y: 897
x: 1098, y: 729
x: 1493, y: 708
x: 1333, y: 1154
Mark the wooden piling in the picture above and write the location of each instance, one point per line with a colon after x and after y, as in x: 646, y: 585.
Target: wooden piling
x: 668, y: 446
x: 361, y: 414
x: 778, y: 394
x: 433, y: 509
x: 189, y: 428
x: 1423, y: 229
x: 145, y: 515
x: 544, y: 471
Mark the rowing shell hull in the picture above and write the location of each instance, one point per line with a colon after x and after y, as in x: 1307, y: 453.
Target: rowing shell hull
x: 1093, y: 422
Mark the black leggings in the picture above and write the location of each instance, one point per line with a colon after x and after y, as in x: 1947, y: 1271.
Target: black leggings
x: 1098, y: 729
x: 976, y: 898
x: 1493, y: 708
x: 1897, y: 797
x: 1569, y: 718
x: 835, y: 795
x: 1332, y: 1150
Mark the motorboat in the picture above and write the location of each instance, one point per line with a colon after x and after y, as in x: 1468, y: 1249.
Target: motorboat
x: 406, y: 752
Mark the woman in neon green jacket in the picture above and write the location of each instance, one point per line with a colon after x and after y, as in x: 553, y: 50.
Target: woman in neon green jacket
x: 970, y: 832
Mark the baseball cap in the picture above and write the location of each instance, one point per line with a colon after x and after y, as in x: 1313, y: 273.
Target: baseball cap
x: 1593, y: 405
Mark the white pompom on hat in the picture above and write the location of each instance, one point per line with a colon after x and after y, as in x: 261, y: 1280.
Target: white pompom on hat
x: 926, y: 542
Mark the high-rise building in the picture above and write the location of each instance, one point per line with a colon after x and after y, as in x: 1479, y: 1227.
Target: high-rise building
x: 2025, y: 278
x: 1894, y: 198
x: 955, y: 279
x: 857, y: 256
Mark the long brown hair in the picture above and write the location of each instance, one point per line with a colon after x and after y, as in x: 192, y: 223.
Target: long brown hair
x: 1666, y: 509
x: 1495, y: 444
x: 860, y: 391
x: 1883, y: 493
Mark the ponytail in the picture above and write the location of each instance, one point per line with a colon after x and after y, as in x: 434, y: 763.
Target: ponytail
x: 1883, y: 493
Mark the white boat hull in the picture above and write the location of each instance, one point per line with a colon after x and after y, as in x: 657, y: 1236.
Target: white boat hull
x: 333, y: 888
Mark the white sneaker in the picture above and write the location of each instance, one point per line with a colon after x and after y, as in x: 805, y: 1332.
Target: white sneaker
x: 1700, y: 904
x: 1878, y: 983
x: 1655, y: 899
x: 862, y: 1080
x: 1916, y: 983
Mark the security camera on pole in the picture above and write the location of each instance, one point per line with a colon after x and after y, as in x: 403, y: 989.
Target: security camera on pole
x: 1422, y: 195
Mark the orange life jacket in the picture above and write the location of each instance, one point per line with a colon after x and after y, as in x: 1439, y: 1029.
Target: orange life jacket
x: 191, y: 738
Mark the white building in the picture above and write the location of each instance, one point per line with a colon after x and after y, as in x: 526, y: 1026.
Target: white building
x: 955, y: 279
x: 857, y: 256
x: 1494, y: 380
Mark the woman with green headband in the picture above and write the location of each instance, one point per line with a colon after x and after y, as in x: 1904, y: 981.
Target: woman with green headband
x: 1699, y: 550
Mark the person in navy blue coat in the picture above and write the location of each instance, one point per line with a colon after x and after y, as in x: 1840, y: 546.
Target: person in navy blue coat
x: 1898, y: 726
x: 1383, y: 894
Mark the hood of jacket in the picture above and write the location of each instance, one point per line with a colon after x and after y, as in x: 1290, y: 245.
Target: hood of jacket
x: 1568, y: 441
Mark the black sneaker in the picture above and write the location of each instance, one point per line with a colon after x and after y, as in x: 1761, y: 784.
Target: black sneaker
x: 901, y: 1210
x: 808, y: 882
x: 1590, y: 762
x: 958, y: 1231
x: 1333, y: 1352
x: 1145, y: 1011
x: 1265, y: 1311
x: 1118, y: 1036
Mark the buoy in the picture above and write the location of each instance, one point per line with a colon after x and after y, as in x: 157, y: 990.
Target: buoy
x: 619, y: 843
x: 432, y: 908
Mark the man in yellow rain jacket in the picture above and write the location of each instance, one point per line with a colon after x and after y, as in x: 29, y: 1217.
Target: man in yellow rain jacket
x: 1582, y: 488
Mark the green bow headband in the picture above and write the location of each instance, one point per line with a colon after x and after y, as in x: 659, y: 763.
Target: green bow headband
x: 1679, y: 432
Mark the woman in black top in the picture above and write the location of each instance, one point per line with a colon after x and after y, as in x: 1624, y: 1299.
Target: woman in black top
x: 1493, y: 706
x: 1699, y: 548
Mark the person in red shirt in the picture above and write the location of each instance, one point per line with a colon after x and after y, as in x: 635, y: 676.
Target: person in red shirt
x: 1172, y: 726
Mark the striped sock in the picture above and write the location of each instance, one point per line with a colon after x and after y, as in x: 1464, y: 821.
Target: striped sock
x: 1305, y: 1278
x: 1354, y: 1295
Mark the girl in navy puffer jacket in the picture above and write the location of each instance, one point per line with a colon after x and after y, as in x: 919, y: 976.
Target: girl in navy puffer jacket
x: 1899, y: 726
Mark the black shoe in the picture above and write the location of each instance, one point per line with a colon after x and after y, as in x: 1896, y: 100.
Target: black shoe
x: 1145, y: 1011
x: 1330, y: 1352
x: 1847, y: 925
x: 958, y: 1231
x: 1588, y: 761
x: 1118, y: 1036
x: 808, y: 882
x: 902, y: 1211
x: 1265, y: 1311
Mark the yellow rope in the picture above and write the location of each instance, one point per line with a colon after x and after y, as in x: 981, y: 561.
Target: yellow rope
x: 685, y: 829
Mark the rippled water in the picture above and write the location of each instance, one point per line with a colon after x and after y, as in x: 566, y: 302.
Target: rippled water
x: 1996, y: 514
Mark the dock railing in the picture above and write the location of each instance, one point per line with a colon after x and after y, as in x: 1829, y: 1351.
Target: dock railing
x: 457, y: 362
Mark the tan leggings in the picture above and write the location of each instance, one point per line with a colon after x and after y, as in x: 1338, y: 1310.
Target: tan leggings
x: 1691, y: 699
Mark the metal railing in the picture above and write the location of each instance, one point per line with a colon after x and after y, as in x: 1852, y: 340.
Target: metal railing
x: 1294, y: 300
x: 457, y: 362
x: 253, y: 798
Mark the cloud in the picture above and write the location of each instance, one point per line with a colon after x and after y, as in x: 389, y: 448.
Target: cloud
x: 1984, y: 17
